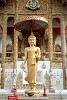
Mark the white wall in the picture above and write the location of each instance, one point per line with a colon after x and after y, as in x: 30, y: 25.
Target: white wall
x: 9, y: 41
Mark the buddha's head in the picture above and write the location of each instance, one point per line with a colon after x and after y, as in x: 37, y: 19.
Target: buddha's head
x: 32, y: 39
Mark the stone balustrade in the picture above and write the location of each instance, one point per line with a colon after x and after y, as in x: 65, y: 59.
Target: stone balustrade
x: 44, y: 56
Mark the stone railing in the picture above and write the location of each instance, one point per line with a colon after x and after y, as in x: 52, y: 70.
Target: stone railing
x: 44, y: 55
x: 56, y: 55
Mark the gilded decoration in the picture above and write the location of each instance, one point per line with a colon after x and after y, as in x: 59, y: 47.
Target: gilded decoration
x: 46, y: 77
x: 57, y: 83
x: 22, y: 6
x: 32, y: 55
x: 33, y: 4
x: 9, y: 65
x: 25, y: 14
x: 57, y: 66
x: 32, y: 17
x: 19, y: 81
x: 8, y: 7
x: 57, y: 78
x: 56, y: 6
x: 8, y: 83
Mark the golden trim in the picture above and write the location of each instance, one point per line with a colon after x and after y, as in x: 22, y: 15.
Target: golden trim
x: 57, y: 61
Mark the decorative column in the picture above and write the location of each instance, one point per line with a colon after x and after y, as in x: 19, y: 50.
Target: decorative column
x: 15, y: 60
x: 4, y: 49
x: 63, y: 45
x: 15, y: 47
x: 50, y: 33
x: 50, y: 40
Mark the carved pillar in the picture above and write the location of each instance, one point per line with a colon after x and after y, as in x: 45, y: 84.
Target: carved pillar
x: 15, y: 45
x: 50, y: 41
x: 50, y: 33
x: 15, y: 48
x: 4, y: 49
x: 16, y: 33
x: 16, y: 37
x: 63, y: 45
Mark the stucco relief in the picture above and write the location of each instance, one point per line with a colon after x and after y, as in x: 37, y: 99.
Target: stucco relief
x: 9, y: 65
x: 8, y: 7
x: 57, y: 78
x: 32, y: 17
x: 23, y: 9
x: 56, y: 6
x: 57, y: 65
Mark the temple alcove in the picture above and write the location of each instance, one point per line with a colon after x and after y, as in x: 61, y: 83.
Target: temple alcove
x: 25, y: 27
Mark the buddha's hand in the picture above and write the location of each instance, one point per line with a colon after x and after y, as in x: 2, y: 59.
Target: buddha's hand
x: 36, y: 56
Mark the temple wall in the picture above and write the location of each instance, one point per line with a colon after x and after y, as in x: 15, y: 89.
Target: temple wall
x: 20, y: 13
x: 11, y: 8
x: 8, y: 8
x: 57, y: 8
x: 42, y: 76
x: 22, y: 7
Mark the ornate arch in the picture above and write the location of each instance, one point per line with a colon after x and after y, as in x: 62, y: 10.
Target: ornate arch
x: 31, y: 17
x: 24, y: 23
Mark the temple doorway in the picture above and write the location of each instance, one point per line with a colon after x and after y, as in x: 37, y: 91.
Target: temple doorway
x: 38, y: 27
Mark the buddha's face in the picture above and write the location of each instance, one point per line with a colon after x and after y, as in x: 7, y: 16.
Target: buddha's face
x: 32, y: 41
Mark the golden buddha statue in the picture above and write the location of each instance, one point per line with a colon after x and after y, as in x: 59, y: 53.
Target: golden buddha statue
x: 32, y: 55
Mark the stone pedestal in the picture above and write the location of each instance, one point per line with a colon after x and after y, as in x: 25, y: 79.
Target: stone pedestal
x: 21, y: 95
x: 34, y: 98
x: 32, y: 92
x: 58, y: 95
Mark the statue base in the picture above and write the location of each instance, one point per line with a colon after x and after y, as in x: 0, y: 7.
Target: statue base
x: 32, y: 92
